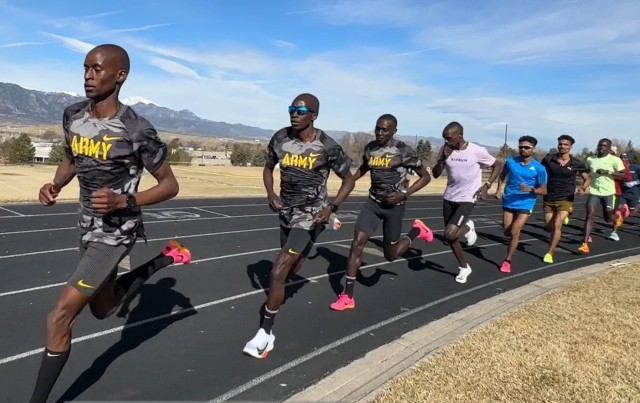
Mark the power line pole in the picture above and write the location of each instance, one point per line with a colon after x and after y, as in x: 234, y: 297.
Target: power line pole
x: 505, y: 147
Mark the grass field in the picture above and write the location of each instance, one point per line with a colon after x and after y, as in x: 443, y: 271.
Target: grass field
x: 23, y: 182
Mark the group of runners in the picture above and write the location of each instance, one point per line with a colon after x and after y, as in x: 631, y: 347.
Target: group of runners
x: 107, y: 146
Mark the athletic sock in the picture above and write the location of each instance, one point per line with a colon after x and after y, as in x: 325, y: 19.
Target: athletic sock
x: 268, y: 319
x: 50, y: 368
x: 349, y: 285
x: 413, y: 233
x: 508, y: 261
x: 131, y: 281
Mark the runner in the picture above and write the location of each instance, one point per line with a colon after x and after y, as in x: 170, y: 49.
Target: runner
x: 389, y: 161
x: 107, y: 145
x: 621, y: 209
x: 630, y: 189
x: 464, y: 162
x: 604, y: 168
x: 525, y: 178
x: 562, y: 169
x: 305, y: 155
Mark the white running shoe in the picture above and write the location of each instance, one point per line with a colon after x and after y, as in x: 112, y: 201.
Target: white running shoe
x: 471, y: 237
x: 260, y: 345
x: 614, y: 236
x: 463, y: 274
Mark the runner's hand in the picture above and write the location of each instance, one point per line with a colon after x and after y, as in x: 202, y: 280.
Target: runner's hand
x: 446, y: 152
x: 105, y: 201
x: 481, y: 194
x: 323, y: 215
x: 274, y: 202
x: 525, y: 188
x: 499, y: 194
x: 48, y: 194
x: 395, y: 197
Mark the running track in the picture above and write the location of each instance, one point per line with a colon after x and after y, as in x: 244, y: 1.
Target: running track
x: 183, y: 336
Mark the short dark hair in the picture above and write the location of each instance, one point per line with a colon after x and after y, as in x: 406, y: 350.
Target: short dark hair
x: 388, y: 116
x: 528, y: 139
x: 454, y: 126
x: 567, y: 137
x: 605, y: 139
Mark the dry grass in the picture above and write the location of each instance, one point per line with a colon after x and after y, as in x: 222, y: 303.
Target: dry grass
x: 21, y: 183
x: 579, y: 344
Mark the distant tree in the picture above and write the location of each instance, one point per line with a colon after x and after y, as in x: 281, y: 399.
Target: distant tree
x: 56, y: 155
x: 423, y: 149
x: 353, y: 145
x: 5, y: 148
x: 585, y: 153
x: 241, y: 154
x: 49, y: 134
x: 259, y: 158
x: 177, y: 153
x: 506, y: 151
x: 22, y: 150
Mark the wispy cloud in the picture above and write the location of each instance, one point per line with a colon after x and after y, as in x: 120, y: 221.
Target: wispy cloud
x: 19, y: 44
x: 174, y: 68
x: 283, y: 44
x: 413, y: 52
x: 73, y: 44
x: 312, y: 10
x: 134, y: 29
x: 68, y: 21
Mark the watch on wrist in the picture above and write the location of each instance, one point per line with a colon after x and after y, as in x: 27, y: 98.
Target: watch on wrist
x: 333, y: 207
x: 132, y: 204
x: 488, y: 185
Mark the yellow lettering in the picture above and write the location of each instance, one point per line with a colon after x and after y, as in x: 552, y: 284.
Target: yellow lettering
x: 286, y: 160
x: 312, y: 161
x: 105, y: 150
x: 387, y: 162
x: 95, y: 148
x: 303, y: 162
x: 84, y: 146
x: 294, y: 160
x: 74, y: 144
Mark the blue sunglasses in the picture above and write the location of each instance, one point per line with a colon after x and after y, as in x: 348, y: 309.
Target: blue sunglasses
x: 302, y: 110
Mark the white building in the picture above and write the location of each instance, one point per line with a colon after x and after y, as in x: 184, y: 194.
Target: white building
x: 43, y: 149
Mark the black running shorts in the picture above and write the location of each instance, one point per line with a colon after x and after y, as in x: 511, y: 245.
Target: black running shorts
x: 391, y: 216
x: 297, y: 241
x: 456, y: 213
x: 98, y: 264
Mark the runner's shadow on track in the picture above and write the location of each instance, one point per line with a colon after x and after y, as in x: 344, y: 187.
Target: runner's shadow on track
x: 155, y: 300
x: 416, y: 262
x: 260, y: 274
x: 477, y: 251
x: 337, y: 268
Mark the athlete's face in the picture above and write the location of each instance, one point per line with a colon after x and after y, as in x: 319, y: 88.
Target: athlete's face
x: 564, y: 147
x: 101, y: 74
x: 453, y: 139
x: 301, y: 114
x: 604, y: 148
x: 385, y: 129
x: 526, y: 149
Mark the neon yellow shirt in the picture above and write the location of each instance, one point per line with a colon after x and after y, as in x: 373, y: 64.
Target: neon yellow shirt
x: 603, y: 185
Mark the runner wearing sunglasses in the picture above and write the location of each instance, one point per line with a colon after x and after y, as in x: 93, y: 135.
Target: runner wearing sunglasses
x: 388, y: 160
x: 525, y: 179
x: 306, y: 155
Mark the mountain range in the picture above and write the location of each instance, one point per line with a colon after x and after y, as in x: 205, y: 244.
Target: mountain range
x: 23, y: 106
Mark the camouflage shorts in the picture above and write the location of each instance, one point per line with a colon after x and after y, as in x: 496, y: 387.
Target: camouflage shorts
x: 299, y: 217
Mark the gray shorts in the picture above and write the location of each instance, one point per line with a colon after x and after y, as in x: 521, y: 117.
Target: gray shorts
x: 98, y: 265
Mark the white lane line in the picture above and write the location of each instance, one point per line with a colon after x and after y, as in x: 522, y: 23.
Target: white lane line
x: 41, y: 252
x: 12, y: 212
x: 316, y: 352
x: 211, y: 212
x: 30, y: 231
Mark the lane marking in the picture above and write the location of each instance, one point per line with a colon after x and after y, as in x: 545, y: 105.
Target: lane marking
x: 12, y: 212
x: 210, y: 212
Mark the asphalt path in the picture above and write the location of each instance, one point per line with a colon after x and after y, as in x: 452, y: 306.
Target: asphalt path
x: 181, y: 338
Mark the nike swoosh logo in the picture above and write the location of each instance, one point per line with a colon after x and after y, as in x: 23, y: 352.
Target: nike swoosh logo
x: 293, y: 252
x: 52, y: 355
x: 394, y: 242
x: 312, y: 155
x: 263, y: 349
x: 107, y: 138
x: 81, y: 283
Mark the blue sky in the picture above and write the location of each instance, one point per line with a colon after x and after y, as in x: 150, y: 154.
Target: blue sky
x: 543, y: 67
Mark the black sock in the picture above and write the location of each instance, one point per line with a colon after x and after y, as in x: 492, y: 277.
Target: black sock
x: 413, y: 233
x: 508, y: 261
x: 130, y: 282
x: 349, y: 284
x: 50, y: 368
x: 267, y: 319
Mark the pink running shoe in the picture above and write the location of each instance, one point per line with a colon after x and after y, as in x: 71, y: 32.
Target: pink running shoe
x: 506, y: 267
x: 343, y: 302
x: 177, y: 251
x: 425, y: 232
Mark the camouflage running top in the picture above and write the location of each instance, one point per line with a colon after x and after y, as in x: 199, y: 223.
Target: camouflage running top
x: 389, y: 166
x: 304, y: 168
x: 110, y: 153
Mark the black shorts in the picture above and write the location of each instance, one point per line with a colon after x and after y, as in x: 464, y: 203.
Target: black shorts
x: 391, y: 216
x: 630, y: 198
x: 456, y: 213
x: 98, y: 265
x: 516, y: 211
x: 297, y: 241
